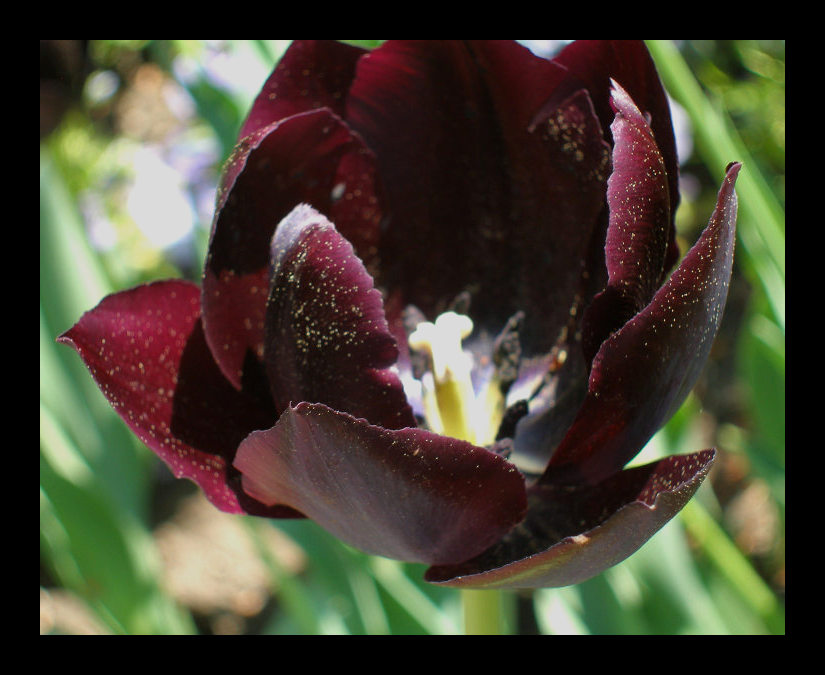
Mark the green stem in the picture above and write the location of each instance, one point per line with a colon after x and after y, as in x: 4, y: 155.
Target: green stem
x: 488, y: 612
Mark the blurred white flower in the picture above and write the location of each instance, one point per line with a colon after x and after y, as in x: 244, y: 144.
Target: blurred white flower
x: 158, y: 201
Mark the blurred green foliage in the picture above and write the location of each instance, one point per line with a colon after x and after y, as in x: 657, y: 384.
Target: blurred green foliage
x: 718, y: 568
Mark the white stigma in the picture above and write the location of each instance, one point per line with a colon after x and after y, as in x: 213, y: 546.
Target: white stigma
x: 442, y: 341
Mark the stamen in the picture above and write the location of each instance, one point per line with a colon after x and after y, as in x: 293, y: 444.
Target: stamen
x: 451, y: 369
x: 450, y: 403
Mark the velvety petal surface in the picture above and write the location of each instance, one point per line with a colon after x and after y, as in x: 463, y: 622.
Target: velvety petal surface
x: 311, y: 74
x: 407, y: 494
x: 637, y: 235
x: 146, y: 351
x: 644, y: 371
x: 311, y: 157
x: 326, y: 337
x: 628, y: 62
x: 488, y: 190
x: 572, y: 533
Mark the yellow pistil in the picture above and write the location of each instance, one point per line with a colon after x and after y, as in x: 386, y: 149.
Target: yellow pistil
x: 450, y: 404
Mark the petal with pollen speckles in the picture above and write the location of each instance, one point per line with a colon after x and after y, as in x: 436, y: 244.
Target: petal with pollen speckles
x: 644, y: 371
x: 311, y: 74
x: 326, y: 337
x: 628, y: 62
x: 146, y: 350
x: 637, y: 236
x: 311, y: 157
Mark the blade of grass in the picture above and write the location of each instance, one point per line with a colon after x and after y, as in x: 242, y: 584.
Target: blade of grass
x: 556, y: 614
x: 365, y: 592
x: 736, y: 569
x: 101, y: 554
x: 296, y: 599
x: 431, y: 617
x: 71, y: 275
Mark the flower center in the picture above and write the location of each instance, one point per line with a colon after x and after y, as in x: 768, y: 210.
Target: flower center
x: 451, y: 405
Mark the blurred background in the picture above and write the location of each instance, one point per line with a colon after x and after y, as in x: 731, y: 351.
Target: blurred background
x: 132, y: 137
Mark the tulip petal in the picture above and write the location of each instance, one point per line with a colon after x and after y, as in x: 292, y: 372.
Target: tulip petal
x: 311, y: 157
x: 628, y: 62
x: 326, y: 338
x: 482, y: 195
x: 637, y: 236
x: 146, y: 351
x: 407, y: 494
x: 644, y: 371
x: 311, y: 74
x: 572, y: 533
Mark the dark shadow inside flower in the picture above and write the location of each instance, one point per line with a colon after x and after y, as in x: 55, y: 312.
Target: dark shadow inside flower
x: 504, y: 205
x: 553, y: 408
x: 208, y: 413
x: 197, y: 421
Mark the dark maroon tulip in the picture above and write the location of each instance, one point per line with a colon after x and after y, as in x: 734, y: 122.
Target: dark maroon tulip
x: 379, y: 208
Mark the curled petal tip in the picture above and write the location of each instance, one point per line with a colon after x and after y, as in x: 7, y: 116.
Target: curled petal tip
x: 732, y: 169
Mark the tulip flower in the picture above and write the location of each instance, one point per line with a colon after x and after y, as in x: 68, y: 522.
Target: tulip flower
x: 442, y: 309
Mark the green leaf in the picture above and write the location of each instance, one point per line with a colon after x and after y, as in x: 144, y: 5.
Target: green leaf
x: 762, y: 363
x: 102, y: 555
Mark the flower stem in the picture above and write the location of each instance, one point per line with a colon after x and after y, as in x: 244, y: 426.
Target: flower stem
x: 488, y: 612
